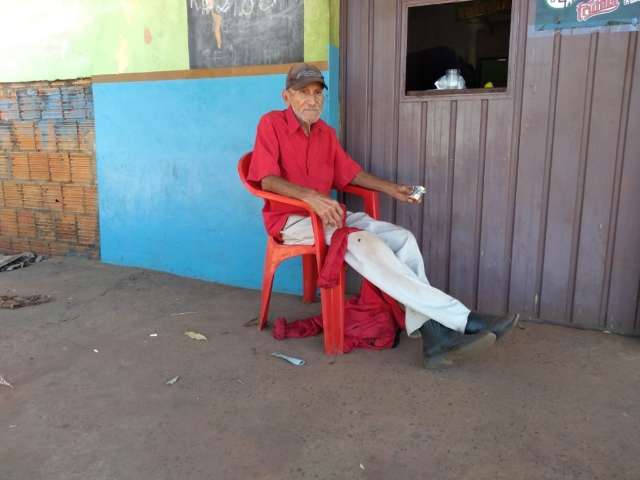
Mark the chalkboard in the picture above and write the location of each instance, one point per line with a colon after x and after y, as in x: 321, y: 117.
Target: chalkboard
x: 245, y: 32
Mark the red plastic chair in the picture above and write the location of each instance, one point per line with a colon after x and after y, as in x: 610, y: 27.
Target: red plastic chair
x: 332, y: 299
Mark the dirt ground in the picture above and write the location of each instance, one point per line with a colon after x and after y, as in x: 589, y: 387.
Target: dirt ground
x: 90, y: 399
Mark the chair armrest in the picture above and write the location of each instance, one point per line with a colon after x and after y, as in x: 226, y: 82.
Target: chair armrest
x: 316, y: 223
x: 275, y: 197
x: 369, y: 197
x: 254, y: 188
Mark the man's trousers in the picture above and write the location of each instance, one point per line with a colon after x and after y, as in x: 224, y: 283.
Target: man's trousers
x: 389, y: 257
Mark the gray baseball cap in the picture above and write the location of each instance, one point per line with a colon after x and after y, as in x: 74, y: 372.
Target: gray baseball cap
x: 302, y: 74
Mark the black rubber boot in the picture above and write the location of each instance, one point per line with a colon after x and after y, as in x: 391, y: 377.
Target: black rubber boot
x: 442, y: 347
x: 482, y: 322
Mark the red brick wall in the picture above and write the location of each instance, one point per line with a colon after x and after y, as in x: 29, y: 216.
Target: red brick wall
x: 48, y: 201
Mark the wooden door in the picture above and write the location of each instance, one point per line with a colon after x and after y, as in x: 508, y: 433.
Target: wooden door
x: 530, y: 190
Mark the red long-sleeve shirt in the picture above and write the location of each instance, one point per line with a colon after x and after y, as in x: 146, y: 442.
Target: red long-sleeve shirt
x: 317, y: 161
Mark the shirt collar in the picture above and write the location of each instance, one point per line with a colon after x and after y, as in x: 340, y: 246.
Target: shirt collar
x: 294, y: 124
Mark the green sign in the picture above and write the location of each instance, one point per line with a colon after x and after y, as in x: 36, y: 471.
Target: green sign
x: 555, y: 14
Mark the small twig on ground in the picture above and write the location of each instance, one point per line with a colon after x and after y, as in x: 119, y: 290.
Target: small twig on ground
x: 16, y: 301
x: 251, y: 323
x: 4, y: 382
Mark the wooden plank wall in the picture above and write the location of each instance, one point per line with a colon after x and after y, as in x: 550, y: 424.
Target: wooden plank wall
x: 533, y: 194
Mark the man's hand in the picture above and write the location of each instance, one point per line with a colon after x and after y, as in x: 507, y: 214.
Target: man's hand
x: 329, y: 211
x: 399, y: 192
x: 402, y: 192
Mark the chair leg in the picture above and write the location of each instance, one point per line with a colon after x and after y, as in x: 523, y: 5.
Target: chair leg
x: 267, y: 286
x: 333, y: 317
x: 310, y: 278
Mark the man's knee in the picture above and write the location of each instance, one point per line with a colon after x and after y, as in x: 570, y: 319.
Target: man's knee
x: 408, y: 238
x: 365, y: 242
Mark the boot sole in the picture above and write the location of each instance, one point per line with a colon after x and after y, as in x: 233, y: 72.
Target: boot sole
x: 449, y: 359
x: 516, y: 319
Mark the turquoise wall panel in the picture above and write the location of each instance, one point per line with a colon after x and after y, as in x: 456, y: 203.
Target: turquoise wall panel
x: 169, y: 195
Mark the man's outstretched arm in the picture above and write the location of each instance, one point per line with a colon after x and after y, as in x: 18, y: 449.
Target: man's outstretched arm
x: 399, y: 192
x: 329, y: 210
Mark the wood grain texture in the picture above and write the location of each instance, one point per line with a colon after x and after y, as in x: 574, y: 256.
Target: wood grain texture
x: 436, y: 227
x: 410, y: 163
x: 384, y: 117
x: 530, y: 175
x: 624, y: 290
x: 357, y: 94
x: 571, y: 97
x: 532, y: 193
x: 493, y: 262
x: 467, y: 168
x: 599, y: 178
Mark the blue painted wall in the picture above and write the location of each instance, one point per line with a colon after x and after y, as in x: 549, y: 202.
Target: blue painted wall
x: 333, y: 80
x: 169, y: 195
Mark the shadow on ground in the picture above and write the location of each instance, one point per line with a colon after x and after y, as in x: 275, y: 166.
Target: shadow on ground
x: 547, y: 403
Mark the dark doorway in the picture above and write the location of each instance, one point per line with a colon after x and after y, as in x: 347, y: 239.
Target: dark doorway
x: 472, y: 37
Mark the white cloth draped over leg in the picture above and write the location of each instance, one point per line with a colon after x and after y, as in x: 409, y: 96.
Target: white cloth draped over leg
x: 389, y: 257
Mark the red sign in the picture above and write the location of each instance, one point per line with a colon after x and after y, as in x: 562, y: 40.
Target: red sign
x: 591, y: 8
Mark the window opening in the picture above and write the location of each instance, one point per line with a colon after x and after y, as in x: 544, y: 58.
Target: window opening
x: 453, y: 41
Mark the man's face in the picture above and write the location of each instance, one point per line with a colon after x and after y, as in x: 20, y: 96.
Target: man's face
x: 307, y: 102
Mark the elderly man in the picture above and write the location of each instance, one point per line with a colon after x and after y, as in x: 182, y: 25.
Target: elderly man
x: 297, y: 154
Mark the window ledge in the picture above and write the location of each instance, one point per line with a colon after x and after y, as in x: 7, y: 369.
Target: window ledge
x: 464, y: 94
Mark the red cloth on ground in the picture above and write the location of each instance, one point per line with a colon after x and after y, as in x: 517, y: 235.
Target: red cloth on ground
x: 371, y: 319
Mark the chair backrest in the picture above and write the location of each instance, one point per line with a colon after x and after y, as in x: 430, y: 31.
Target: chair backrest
x: 255, y: 188
x: 243, y: 171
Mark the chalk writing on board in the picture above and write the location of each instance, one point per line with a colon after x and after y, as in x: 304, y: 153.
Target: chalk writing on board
x: 245, y: 32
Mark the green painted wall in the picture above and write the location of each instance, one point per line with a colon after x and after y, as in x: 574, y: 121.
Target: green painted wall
x: 65, y: 39
x: 46, y: 40
x: 335, y: 23
x: 317, y: 15
x: 321, y: 28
